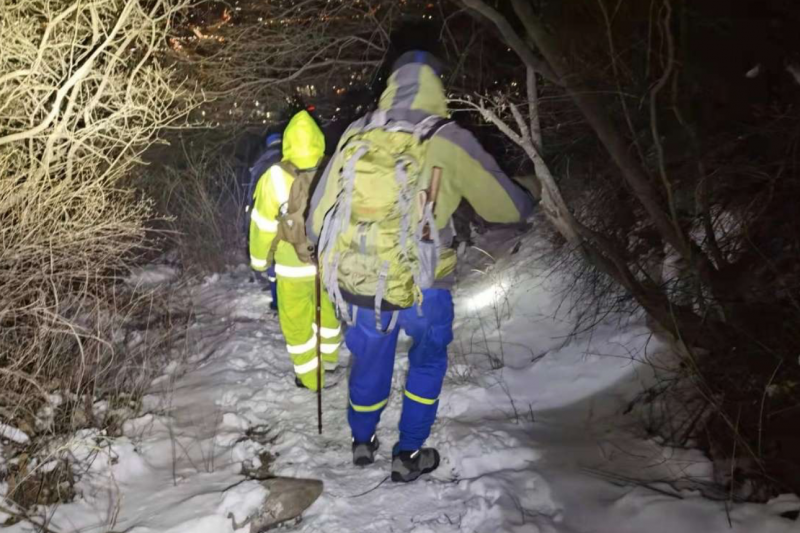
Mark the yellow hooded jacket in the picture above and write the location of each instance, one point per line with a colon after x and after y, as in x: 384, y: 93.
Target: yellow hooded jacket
x: 304, y: 147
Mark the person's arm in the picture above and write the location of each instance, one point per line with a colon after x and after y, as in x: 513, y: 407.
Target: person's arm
x: 478, y: 178
x: 263, y: 220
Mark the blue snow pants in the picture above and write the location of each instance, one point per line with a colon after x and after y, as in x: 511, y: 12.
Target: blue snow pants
x: 273, y: 287
x: 373, y: 362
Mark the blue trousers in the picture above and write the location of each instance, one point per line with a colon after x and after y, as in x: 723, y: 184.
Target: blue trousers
x: 273, y: 287
x: 373, y: 362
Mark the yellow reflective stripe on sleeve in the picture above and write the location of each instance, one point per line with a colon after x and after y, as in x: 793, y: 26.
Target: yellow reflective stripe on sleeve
x: 258, y: 263
x: 279, y: 184
x: 306, y: 367
x: 296, y: 271
x: 263, y: 223
x: 295, y: 349
x: 368, y: 408
x: 420, y: 399
x: 327, y: 348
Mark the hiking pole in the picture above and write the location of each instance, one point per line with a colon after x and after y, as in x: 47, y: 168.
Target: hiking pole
x: 318, y: 291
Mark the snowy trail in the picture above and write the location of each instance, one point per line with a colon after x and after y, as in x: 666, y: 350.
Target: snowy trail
x: 527, y: 465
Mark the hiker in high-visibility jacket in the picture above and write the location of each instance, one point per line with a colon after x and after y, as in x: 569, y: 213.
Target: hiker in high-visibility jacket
x: 303, y: 147
x: 415, y: 95
x: 271, y: 155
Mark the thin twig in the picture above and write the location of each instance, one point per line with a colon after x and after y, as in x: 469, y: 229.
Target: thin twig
x: 763, y: 402
x: 384, y: 480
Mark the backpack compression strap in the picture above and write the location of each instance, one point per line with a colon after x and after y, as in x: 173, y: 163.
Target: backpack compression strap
x: 288, y: 168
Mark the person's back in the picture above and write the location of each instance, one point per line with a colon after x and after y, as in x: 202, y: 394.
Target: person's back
x: 453, y: 166
x: 270, y: 156
x: 415, y: 93
x: 274, y: 239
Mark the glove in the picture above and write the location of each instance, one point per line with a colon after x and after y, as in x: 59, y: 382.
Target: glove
x: 261, y: 279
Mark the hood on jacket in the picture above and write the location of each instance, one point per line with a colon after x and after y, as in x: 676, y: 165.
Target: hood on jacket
x: 415, y: 85
x: 303, y: 141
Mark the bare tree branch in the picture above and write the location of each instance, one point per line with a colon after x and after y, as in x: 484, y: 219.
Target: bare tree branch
x: 88, y: 92
x: 633, y: 173
x: 250, y: 62
x: 513, y: 39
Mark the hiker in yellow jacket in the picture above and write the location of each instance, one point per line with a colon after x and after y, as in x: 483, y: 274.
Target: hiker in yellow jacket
x: 303, y: 149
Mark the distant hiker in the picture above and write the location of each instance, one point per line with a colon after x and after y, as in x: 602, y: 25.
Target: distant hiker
x: 269, y: 157
x: 277, y: 234
x: 382, y: 213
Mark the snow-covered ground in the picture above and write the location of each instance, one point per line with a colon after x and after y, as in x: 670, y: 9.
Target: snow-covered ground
x: 530, y: 428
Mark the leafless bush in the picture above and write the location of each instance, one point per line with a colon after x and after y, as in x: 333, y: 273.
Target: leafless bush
x: 83, y: 92
x: 200, y: 205
x: 667, y: 206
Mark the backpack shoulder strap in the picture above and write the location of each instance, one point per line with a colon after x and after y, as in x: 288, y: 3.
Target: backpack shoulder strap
x: 289, y: 168
x: 430, y: 126
x: 377, y: 119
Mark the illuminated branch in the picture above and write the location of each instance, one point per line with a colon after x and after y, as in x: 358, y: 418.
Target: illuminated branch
x: 264, y: 54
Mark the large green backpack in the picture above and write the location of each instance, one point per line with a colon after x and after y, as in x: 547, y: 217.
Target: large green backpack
x: 380, y: 239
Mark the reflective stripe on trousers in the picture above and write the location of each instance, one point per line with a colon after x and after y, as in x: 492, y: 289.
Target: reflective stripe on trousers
x: 306, y: 367
x: 304, y: 271
x: 369, y: 408
x: 326, y: 347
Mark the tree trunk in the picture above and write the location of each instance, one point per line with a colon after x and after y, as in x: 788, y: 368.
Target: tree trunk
x: 635, y: 176
x: 600, y: 251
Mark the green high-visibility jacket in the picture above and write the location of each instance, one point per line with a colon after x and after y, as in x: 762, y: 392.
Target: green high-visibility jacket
x: 415, y: 92
x: 303, y: 146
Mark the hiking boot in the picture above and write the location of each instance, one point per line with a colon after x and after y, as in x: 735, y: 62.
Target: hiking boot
x: 331, y: 379
x: 364, y: 452
x: 408, y: 466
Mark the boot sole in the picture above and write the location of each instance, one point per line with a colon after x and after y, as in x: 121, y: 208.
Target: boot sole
x: 365, y: 461
x: 398, y: 478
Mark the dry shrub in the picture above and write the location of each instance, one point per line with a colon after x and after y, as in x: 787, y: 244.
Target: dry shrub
x: 200, y: 204
x: 693, y: 218
x: 40, y: 486
x: 82, y: 94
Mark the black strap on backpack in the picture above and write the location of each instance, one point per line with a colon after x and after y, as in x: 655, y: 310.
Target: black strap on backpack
x: 438, y: 125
